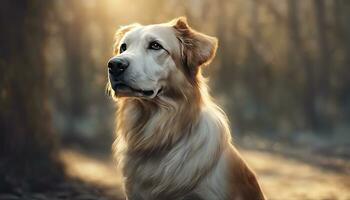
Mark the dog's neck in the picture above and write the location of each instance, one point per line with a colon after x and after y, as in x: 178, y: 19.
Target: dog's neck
x: 156, y: 125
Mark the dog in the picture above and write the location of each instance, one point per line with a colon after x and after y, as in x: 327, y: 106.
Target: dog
x: 173, y: 142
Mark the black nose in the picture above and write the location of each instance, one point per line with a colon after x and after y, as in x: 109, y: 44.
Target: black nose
x: 117, y: 66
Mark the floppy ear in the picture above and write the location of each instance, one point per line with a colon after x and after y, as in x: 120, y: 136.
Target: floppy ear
x: 197, y: 49
x: 119, y: 35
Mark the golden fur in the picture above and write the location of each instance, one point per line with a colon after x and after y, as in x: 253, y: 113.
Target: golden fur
x: 178, y: 145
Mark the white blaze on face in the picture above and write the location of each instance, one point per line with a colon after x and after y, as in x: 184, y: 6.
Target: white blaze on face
x: 148, y: 68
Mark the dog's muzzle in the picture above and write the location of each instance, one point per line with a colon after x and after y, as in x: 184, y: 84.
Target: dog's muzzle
x: 116, y: 69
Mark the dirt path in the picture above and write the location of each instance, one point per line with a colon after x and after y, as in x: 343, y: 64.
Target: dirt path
x: 281, y: 178
x: 97, y: 170
x: 286, y: 179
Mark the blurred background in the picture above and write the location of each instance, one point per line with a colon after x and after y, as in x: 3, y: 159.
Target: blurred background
x: 282, y: 74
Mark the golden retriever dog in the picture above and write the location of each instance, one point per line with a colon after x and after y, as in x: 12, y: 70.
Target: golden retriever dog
x: 173, y: 142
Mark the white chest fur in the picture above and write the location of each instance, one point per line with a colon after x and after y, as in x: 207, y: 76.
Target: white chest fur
x: 194, y: 164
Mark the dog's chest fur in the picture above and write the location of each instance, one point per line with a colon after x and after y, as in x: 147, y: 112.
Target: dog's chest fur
x: 190, y: 167
x: 152, y: 180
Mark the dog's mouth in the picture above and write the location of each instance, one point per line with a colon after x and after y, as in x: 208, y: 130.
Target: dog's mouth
x: 124, y: 90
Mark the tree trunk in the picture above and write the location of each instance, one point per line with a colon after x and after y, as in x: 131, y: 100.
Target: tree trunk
x: 77, y: 54
x: 298, y: 57
x: 226, y: 67
x: 324, y: 55
x: 27, y: 145
x: 323, y: 82
x: 341, y: 14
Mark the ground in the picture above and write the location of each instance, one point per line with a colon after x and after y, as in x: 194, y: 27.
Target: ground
x: 284, y: 174
x: 283, y: 177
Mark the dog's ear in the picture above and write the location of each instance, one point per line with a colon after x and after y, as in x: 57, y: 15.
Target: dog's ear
x: 119, y: 35
x: 197, y: 49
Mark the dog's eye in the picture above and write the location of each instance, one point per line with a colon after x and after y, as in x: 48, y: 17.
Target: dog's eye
x: 155, y: 46
x: 122, y: 48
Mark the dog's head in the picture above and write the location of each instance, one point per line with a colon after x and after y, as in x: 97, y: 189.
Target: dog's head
x: 152, y: 60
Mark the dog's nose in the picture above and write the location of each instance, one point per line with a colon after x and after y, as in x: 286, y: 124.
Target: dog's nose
x: 117, y: 66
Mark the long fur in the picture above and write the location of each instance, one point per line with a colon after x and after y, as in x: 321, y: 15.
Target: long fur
x: 178, y: 146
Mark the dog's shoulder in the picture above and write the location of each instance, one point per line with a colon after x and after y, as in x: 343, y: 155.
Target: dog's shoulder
x: 241, y: 182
